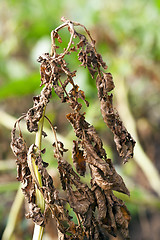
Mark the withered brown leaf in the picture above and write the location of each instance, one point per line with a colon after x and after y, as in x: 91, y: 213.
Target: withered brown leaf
x: 124, y: 141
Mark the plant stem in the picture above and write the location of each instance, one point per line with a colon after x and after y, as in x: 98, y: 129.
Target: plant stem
x: 38, y: 230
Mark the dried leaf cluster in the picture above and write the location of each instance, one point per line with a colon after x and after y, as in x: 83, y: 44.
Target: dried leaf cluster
x: 99, y: 212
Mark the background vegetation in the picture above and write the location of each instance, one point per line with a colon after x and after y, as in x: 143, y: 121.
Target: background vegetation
x: 128, y: 37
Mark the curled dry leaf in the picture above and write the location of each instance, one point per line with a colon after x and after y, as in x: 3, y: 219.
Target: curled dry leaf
x: 124, y: 142
x: 104, y: 84
x: 35, y: 113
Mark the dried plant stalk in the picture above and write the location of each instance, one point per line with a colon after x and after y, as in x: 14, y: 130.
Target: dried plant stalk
x: 99, y: 212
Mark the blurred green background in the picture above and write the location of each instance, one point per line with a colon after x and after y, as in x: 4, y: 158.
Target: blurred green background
x: 127, y: 35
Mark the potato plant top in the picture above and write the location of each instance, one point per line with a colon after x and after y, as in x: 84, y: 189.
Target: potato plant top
x: 99, y: 212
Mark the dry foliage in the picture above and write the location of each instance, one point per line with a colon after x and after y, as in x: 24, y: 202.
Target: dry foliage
x: 98, y: 210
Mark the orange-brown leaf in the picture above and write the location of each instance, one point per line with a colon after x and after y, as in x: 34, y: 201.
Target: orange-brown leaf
x: 78, y: 159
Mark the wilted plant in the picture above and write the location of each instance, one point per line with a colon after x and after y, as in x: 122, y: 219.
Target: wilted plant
x: 99, y: 212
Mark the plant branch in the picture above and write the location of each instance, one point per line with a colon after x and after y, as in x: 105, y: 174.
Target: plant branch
x: 38, y: 230
x: 7, y: 121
